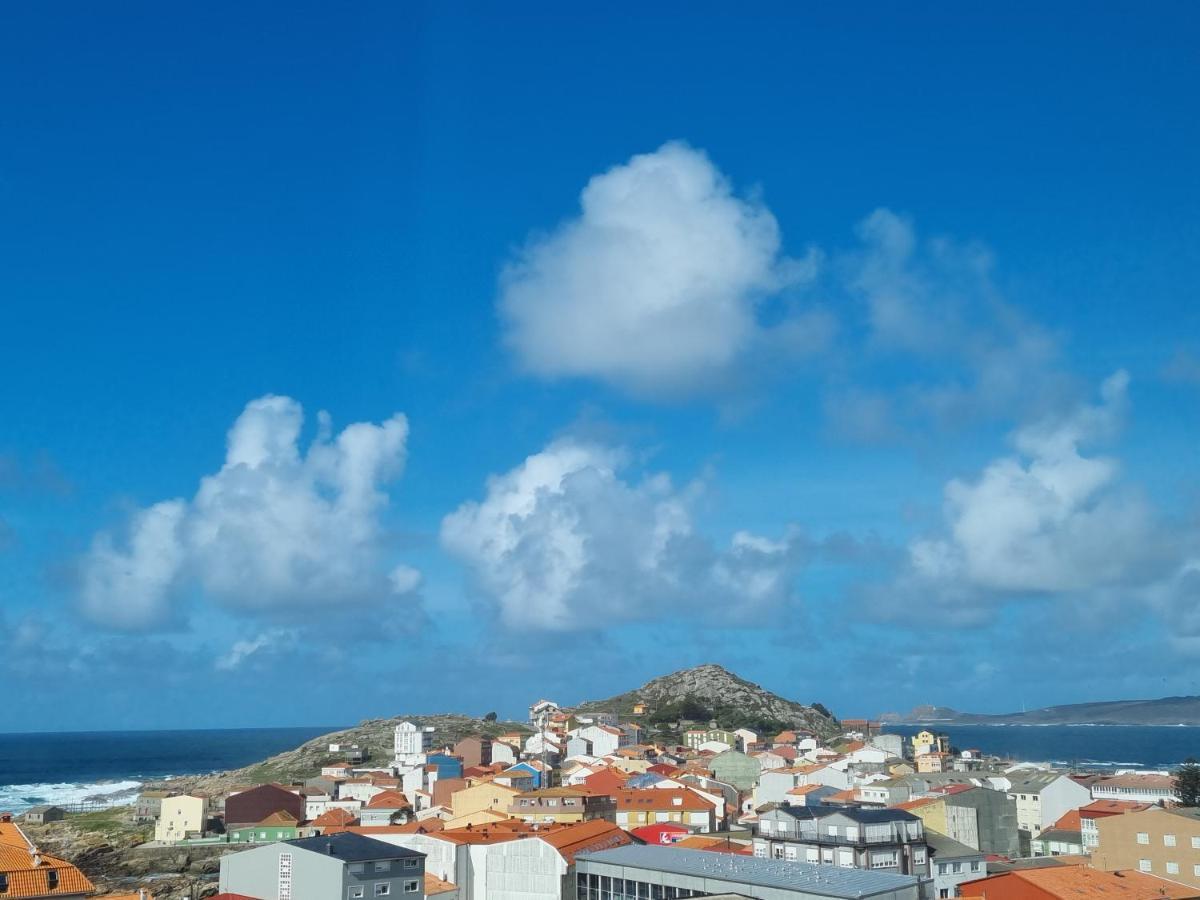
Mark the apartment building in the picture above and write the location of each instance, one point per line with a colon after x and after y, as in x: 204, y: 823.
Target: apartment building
x: 1139, y: 787
x: 1091, y: 814
x: 635, y: 808
x: 890, y: 840
x: 1164, y: 842
x: 562, y: 805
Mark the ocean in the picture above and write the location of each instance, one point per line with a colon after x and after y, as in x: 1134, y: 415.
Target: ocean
x: 70, y: 767
x: 1084, y: 746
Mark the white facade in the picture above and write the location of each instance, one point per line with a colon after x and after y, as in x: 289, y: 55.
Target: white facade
x: 358, y: 791
x: 604, y: 738
x: 412, y: 740
x: 1041, y: 805
x: 746, y: 737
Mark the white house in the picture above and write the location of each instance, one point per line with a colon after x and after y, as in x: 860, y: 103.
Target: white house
x: 605, y: 739
x: 746, y: 737
x: 1140, y: 787
x: 540, y: 713
x: 1043, y: 797
x: 714, y: 746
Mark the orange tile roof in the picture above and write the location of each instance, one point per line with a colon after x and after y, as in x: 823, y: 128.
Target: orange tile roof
x: 661, y: 799
x: 713, y: 845
x: 280, y: 817
x: 435, y: 885
x: 336, y: 817
x: 585, y: 837
x: 388, y: 800
x: 1102, y: 808
x: 1080, y: 881
x: 1068, y: 821
x: 29, y: 871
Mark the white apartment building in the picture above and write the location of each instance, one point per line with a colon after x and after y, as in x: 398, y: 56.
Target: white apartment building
x: 412, y: 740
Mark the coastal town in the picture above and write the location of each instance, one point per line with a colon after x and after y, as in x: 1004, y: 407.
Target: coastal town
x: 653, y: 802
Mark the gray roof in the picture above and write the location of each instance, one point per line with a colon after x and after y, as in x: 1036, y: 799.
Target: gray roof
x: 350, y: 847
x: 857, y: 814
x: 824, y: 881
x: 943, y: 847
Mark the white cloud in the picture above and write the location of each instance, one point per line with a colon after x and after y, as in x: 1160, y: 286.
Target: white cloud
x: 266, y: 642
x: 275, y: 528
x: 655, y: 286
x: 563, y: 542
x: 1049, y: 519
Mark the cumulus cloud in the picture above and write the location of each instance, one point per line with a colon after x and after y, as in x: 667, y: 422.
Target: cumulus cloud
x: 275, y: 528
x: 563, y: 541
x: 1048, y: 520
x: 656, y: 285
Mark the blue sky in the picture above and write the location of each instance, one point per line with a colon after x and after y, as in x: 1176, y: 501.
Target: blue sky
x: 854, y: 349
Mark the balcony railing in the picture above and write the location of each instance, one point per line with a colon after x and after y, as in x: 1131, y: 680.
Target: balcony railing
x: 843, y: 840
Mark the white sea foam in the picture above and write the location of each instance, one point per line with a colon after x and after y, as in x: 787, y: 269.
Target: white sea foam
x: 18, y: 797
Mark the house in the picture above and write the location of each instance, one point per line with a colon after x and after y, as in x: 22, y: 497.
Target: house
x: 541, y: 711
x: 745, y: 738
x: 343, y: 865
x: 444, y: 765
x: 40, y: 815
x: 504, y: 753
x: 1063, y: 838
x: 1155, y: 841
x: 635, y: 808
x: 891, y: 744
x: 952, y: 863
x: 518, y: 773
x: 936, y: 761
x: 467, y: 804
x: 809, y: 795
x: 978, y: 817
x: 1073, y: 882
x: 279, y: 826
x: 885, y: 792
x: 1042, y: 798
x: 1101, y: 809
x: 475, y: 750
x: 736, y: 768
x: 644, y: 870
x: 562, y: 805
x: 333, y: 820
x: 926, y: 741
x: 1140, y: 787
x: 697, y: 738
x: 182, y: 817
x: 605, y: 739
x: 890, y: 840
x: 28, y: 873
x: 257, y: 803
x: 384, y: 808
x: 149, y: 805
x: 640, y: 709
x: 340, y: 769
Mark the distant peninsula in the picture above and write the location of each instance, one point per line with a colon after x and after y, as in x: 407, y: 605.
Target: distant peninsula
x: 1164, y: 711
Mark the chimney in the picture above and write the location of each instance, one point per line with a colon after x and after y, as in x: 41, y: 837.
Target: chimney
x: 329, y: 848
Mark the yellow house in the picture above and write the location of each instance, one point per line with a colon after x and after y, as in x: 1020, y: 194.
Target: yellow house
x: 933, y: 762
x: 485, y: 795
x: 926, y: 741
x: 477, y: 818
x: 639, y: 709
x: 180, y: 817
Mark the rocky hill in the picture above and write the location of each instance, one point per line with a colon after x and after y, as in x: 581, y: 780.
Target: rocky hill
x: 374, y: 734
x: 1164, y: 711
x: 729, y: 699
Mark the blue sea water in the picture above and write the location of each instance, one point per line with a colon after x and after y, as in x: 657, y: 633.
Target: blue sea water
x: 69, y: 767
x: 1082, y: 746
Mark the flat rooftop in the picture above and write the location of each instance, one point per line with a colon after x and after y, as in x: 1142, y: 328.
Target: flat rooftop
x: 823, y: 881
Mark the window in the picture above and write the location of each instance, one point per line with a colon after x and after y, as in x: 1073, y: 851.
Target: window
x: 357, y: 868
x: 4, y: 882
x: 1144, y: 865
x: 883, y: 859
x: 52, y: 879
x: 975, y: 866
x: 1172, y: 868
x: 1143, y: 837
x: 919, y: 856
x: 765, y: 826
x: 944, y: 892
x: 410, y: 887
x: 356, y: 892
x: 956, y: 868
x: 411, y: 863
x: 942, y: 868
x: 1196, y: 871
x: 831, y: 830
x: 1168, y: 840
x: 382, y: 889
x: 382, y: 865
